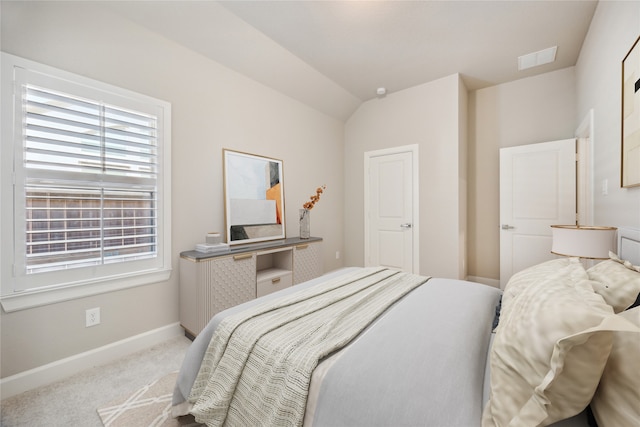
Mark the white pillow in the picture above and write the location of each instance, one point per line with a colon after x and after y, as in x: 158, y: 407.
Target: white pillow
x: 617, y: 281
x: 531, y: 275
x: 617, y: 399
x: 571, y: 268
x: 549, y: 351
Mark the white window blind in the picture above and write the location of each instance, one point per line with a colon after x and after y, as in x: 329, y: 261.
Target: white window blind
x: 70, y: 134
x: 85, y: 198
x: 69, y: 140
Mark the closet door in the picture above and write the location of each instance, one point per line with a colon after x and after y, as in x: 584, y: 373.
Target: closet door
x: 537, y: 190
x: 391, y: 208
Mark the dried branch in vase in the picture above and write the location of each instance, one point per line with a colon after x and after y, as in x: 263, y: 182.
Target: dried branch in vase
x: 315, y: 198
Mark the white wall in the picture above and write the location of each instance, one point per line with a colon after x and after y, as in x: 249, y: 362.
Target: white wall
x: 614, y: 29
x: 427, y: 115
x: 525, y: 111
x: 213, y: 108
x: 548, y: 107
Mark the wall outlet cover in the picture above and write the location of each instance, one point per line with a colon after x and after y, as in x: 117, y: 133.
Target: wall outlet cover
x: 92, y: 317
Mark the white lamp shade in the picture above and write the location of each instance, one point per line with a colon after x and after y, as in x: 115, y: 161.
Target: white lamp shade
x: 583, y: 241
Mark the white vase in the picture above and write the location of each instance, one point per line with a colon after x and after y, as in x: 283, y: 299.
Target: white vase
x: 305, y: 223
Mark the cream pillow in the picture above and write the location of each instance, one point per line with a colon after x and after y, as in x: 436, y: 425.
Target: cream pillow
x: 617, y: 399
x: 549, y: 352
x: 617, y: 281
x: 571, y: 270
x: 539, y: 272
x: 627, y: 264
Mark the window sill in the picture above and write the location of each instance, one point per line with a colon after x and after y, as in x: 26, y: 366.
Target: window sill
x: 39, y: 297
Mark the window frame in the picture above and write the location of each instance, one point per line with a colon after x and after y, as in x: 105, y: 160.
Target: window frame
x: 20, y: 291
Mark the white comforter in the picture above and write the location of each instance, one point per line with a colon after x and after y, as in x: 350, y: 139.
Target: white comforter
x: 422, y: 362
x: 258, y: 366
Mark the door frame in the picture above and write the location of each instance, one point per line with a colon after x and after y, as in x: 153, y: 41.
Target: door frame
x: 584, y: 179
x: 415, y: 226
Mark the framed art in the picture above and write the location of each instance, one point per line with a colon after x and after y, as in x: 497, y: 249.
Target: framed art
x: 630, y: 153
x: 254, y: 198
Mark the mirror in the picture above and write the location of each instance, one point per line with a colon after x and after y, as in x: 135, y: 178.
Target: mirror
x: 254, y: 198
x: 630, y: 170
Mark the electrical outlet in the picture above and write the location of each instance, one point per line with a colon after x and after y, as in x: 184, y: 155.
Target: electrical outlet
x: 337, y: 254
x: 92, y: 317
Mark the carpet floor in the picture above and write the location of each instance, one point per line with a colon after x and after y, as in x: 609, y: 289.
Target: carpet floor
x: 75, y: 401
x: 149, y: 406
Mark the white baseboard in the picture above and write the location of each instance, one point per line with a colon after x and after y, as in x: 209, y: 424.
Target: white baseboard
x: 486, y: 281
x: 63, y: 368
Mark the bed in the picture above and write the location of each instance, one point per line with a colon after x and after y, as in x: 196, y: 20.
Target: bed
x: 560, y: 346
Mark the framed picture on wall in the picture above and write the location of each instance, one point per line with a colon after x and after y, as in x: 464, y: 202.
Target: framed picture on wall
x: 254, y: 197
x: 630, y: 153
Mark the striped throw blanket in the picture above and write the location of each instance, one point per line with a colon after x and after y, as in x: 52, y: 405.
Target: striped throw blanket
x: 258, y: 365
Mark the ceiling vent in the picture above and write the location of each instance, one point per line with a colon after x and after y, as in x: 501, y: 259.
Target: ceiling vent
x: 534, y: 59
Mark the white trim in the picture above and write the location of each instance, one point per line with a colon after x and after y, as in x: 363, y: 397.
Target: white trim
x: 584, y: 134
x: 76, y: 283
x: 43, y: 296
x: 60, y: 369
x: 485, y: 281
x: 415, y: 223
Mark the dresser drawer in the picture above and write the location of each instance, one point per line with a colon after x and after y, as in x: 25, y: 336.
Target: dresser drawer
x: 271, y: 280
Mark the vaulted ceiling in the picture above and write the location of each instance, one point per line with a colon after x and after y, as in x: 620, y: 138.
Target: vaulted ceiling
x: 333, y: 55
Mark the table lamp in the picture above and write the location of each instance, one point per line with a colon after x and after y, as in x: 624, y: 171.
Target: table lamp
x: 583, y: 241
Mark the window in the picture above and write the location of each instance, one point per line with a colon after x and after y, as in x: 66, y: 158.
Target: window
x: 85, y: 173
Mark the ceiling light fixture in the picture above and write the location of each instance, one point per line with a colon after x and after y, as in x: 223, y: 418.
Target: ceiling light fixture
x: 381, y: 91
x: 544, y: 56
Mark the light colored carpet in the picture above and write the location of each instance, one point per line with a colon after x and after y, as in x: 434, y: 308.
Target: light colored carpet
x: 150, y: 406
x: 74, y: 401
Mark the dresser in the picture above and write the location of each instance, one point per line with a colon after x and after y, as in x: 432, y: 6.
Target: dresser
x: 212, y: 282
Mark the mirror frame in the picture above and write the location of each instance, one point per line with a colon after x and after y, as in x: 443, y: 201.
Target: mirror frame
x: 256, y: 215
x: 629, y: 163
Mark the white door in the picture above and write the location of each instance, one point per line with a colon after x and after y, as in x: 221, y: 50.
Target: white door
x: 391, y: 226
x: 537, y: 190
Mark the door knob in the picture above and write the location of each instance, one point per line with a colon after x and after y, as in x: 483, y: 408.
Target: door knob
x: 407, y: 225
x: 506, y: 227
